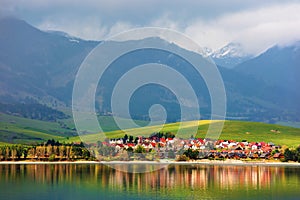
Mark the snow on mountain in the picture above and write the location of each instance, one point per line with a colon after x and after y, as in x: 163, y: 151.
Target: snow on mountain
x: 228, y: 56
x: 230, y: 50
x: 66, y: 35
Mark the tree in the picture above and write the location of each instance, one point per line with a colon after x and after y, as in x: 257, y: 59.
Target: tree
x: 2, y: 153
x: 13, y: 153
x: 77, y: 151
x: 52, y: 157
x: 192, y: 154
x: 19, y: 151
x: 49, y: 149
x: 86, y: 154
x: 62, y: 151
x: 32, y: 151
x: 55, y: 150
x: 7, y: 152
x: 290, y: 155
x: 136, y: 140
x: 140, y: 149
x: 25, y: 152
x: 169, y: 135
x: 298, y: 153
x: 130, y: 138
x: 125, y: 138
x: 68, y: 152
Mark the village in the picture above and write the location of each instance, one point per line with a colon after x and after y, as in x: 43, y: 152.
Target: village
x: 156, y: 147
x: 192, y: 148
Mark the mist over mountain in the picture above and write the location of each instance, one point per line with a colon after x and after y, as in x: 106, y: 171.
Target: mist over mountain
x: 42, y: 66
x: 38, y: 64
x: 230, y: 55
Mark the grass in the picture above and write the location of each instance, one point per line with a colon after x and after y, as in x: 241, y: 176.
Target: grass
x: 143, y: 131
x: 235, y: 130
x: 107, y: 123
x: 52, y: 128
x: 15, y: 129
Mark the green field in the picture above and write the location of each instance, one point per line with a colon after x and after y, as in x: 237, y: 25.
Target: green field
x: 14, y: 129
x: 27, y: 131
x: 235, y: 130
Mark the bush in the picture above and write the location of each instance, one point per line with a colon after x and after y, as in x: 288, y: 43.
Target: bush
x: 140, y: 149
x: 291, y: 155
x: 52, y: 158
x: 182, y: 158
x: 192, y: 154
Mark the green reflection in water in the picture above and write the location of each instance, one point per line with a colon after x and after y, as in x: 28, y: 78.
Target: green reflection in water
x: 96, y: 181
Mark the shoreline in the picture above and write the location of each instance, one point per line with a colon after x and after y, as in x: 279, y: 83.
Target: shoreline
x: 164, y: 162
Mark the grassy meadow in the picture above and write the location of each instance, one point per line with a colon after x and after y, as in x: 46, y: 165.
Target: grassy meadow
x: 18, y: 130
x: 235, y: 130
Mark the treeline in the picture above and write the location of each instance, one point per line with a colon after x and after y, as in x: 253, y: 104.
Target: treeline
x: 164, y: 135
x: 292, y: 155
x: 33, y: 111
x: 109, y: 153
x: 49, y: 151
x: 154, y: 136
x: 190, y: 154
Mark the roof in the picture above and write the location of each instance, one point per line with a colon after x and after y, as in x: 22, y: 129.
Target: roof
x: 277, y: 155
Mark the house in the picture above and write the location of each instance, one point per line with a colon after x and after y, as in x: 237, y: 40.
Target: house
x: 277, y: 156
x: 253, y: 155
x: 119, y: 146
x: 239, y: 147
x: 264, y: 155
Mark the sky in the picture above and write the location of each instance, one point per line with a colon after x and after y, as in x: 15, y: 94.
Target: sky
x: 255, y: 24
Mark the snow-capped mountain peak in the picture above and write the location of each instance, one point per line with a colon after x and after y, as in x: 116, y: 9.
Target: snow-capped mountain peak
x: 228, y: 56
x: 66, y: 35
x: 230, y: 50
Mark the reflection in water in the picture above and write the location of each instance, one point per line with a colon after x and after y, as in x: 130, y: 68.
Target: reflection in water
x: 174, y: 181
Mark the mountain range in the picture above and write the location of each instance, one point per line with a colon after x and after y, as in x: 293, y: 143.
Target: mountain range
x: 40, y: 66
x: 229, y: 56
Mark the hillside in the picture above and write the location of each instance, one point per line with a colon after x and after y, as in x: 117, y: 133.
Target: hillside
x: 235, y: 130
x: 27, y: 131
x: 279, y: 67
x: 16, y: 129
x: 48, y: 62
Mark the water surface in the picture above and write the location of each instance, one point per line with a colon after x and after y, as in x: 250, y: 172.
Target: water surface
x: 97, y: 181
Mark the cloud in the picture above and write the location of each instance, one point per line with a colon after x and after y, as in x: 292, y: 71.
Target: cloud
x: 90, y: 28
x: 165, y: 22
x: 119, y: 27
x: 6, y: 8
x: 255, y: 29
x: 255, y: 24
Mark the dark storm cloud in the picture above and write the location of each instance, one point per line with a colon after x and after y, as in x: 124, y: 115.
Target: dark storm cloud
x: 211, y: 23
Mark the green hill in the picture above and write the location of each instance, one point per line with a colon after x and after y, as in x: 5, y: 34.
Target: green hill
x: 15, y: 129
x: 236, y: 130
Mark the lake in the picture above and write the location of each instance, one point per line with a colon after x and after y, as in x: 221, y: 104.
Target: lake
x: 175, y: 181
